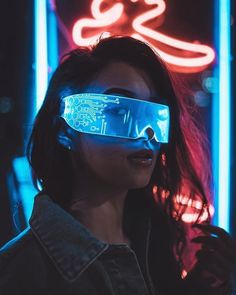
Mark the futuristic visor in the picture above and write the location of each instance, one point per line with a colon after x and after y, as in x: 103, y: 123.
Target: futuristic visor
x: 116, y: 116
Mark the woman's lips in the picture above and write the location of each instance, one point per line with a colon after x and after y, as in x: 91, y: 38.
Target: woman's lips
x: 141, y: 161
x: 142, y: 158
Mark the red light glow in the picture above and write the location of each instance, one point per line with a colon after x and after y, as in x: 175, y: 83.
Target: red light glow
x: 192, y: 207
x: 101, y: 20
x: 184, y: 273
x: 191, y: 57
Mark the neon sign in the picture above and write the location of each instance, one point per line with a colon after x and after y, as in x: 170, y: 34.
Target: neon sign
x: 181, y: 56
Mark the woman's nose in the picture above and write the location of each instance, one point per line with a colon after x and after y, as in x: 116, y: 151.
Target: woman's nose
x: 149, y: 133
x: 147, y: 137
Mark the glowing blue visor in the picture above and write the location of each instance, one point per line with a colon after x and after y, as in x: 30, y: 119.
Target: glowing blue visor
x: 116, y: 116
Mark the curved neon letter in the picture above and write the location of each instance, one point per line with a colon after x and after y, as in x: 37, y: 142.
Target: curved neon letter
x: 173, y: 42
x: 202, y: 55
x: 100, y: 20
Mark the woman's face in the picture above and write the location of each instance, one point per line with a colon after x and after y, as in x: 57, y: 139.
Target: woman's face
x: 109, y: 159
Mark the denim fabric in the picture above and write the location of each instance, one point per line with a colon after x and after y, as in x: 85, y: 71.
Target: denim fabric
x: 57, y: 255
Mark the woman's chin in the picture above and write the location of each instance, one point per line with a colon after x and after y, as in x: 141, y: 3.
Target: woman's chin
x: 139, y: 183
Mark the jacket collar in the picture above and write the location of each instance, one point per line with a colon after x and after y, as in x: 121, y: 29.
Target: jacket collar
x: 72, y: 247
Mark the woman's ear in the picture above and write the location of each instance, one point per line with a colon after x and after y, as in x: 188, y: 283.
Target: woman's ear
x: 63, y: 136
x: 65, y: 141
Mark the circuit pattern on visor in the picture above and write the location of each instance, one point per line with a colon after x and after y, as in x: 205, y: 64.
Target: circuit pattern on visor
x: 118, y: 116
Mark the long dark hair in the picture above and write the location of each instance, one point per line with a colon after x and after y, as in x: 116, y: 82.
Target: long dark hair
x: 51, y: 164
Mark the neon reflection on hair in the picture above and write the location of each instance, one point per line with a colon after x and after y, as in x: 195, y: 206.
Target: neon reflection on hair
x: 192, y: 206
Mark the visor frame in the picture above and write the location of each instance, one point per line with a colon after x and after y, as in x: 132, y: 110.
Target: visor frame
x: 97, y: 109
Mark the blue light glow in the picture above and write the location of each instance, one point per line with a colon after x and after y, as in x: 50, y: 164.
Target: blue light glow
x: 26, y: 188
x: 91, y: 112
x: 46, y: 53
x: 224, y: 109
x: 221, y: 118
x: 41, y: 60
x: 52, y: 39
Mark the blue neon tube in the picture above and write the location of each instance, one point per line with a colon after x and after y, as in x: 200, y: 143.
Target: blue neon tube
x: 52, y: 37
x: 221, y: 117
x: 41, y: 60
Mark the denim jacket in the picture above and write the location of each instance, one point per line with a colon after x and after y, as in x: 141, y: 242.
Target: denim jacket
x: 57, y: 255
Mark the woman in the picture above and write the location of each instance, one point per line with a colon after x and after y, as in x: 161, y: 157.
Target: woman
x: 111, y: 148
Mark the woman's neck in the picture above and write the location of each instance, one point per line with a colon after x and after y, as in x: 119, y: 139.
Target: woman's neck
x: 100, y: 209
